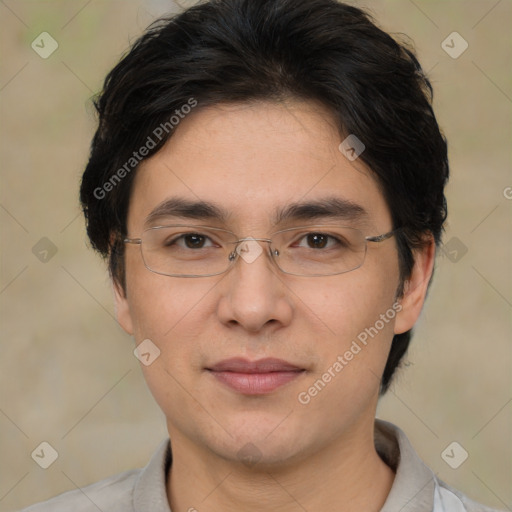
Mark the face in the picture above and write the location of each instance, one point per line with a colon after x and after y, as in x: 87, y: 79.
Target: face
x: 251, y: 161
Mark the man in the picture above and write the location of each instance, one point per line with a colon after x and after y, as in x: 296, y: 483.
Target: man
x: 267, y: 182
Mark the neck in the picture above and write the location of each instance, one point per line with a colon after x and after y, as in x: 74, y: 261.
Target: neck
x: 347, y: 475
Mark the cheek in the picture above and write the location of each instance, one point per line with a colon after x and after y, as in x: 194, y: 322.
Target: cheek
x: 348, y: 304
x: 158, y: 304
x: 167, y: 311
x: 359, y: 312
x: 173, y: 316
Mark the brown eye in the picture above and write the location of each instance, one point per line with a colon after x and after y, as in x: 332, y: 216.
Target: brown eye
x: 194, y: 241
x: 317, y: 240
x: 188, y: 241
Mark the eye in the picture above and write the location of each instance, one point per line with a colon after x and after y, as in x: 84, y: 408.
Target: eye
x: 319, y: 241
x: 190, y: 241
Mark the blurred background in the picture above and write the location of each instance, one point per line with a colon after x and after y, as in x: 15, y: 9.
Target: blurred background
x: 68, y: 376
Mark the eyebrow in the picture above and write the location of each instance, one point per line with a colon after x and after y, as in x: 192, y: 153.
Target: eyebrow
x: 335, y: 208
x: 185, y: 208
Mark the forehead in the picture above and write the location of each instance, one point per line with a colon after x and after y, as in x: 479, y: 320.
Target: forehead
x: 255, y: 163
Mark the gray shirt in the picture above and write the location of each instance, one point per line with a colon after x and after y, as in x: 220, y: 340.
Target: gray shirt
x: 415, y: 488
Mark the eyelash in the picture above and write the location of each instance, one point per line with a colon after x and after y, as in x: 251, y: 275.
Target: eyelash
x: 184, y: 235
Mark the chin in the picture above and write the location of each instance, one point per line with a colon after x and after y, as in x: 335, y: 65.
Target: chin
x: 262, y: 442
x: 260, y: 454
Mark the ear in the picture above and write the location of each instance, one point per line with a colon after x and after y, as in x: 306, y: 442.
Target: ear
x: 415, y: 288
x: 122, y: 308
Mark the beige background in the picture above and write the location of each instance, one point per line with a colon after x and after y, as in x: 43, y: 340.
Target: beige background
x: 67, y: 372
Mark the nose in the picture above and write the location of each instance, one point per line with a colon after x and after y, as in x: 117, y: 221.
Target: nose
x: 253, y: 294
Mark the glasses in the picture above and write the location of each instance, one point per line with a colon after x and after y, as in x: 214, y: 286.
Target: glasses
x: 202, y: 251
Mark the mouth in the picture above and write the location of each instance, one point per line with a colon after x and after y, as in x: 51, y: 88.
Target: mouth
x: 255, y: 377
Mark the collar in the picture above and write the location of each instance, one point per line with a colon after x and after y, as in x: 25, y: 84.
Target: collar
x: 150, y: 492
x: 414, y: 485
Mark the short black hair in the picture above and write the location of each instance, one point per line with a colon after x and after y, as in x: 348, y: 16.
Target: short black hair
x: 236, y: 51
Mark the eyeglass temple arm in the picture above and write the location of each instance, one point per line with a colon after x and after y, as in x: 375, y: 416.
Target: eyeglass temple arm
x: 132, y: 241
x: 384, y: 236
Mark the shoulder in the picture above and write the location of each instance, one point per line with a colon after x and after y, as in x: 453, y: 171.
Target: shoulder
x: 113, y: 494
x: 453, y: 500
x: 416, y: 487
x: 130, y: 491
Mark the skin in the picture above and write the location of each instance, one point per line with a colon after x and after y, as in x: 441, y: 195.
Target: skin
x: 250, y: 159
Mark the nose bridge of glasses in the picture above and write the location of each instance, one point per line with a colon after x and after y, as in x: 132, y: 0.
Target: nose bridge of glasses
x: 248, y: 248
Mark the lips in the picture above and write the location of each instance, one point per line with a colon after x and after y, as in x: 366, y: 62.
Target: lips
x: 254, y: 377
x: 240, y: 365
